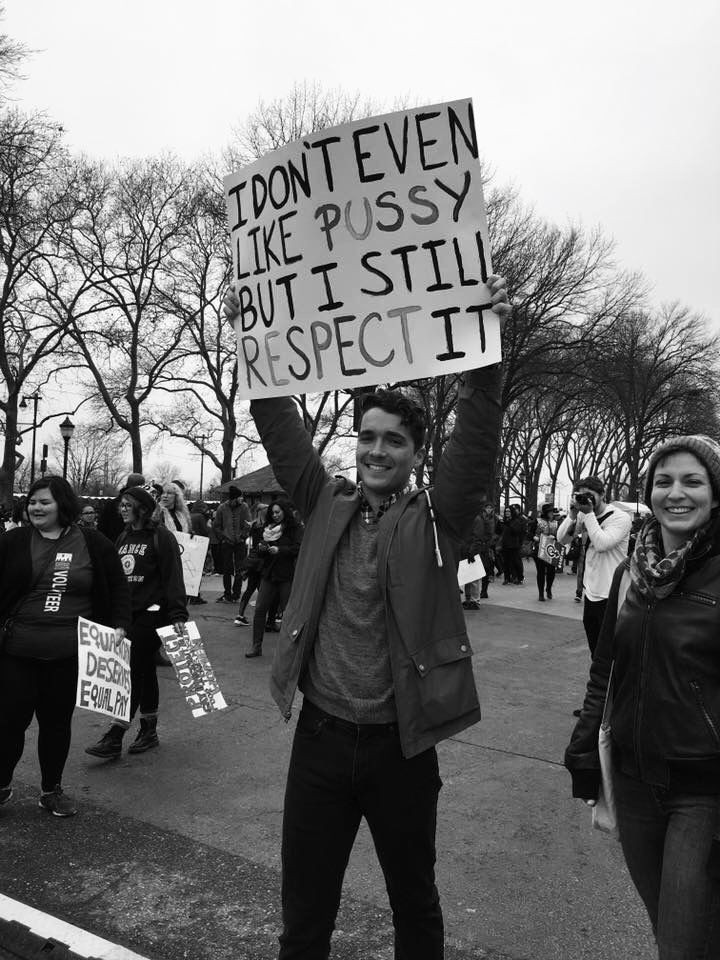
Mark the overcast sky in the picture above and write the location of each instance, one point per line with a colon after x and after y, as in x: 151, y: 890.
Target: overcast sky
x: 598, y: 113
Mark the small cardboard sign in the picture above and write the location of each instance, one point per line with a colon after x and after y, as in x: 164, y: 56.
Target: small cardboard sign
x: 360, y: 255
x: 470, y: 571
x: 193, y: 550
x: 103, y: 684
x: 192, y: 668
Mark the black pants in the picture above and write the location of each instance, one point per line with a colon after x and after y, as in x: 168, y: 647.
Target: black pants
x: 254, y: 579
x: 545, y: 575
x: 144, y: 644
x: 339, y: 773
x: 272, y: 595
x: 45, y: 689
x: 593, y: 613
x: 233, y: 560
x: 512, y: 561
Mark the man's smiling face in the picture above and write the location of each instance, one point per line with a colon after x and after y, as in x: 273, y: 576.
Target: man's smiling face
x: 385, y: 455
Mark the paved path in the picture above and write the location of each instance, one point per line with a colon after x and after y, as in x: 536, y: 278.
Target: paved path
x: 175, y: 852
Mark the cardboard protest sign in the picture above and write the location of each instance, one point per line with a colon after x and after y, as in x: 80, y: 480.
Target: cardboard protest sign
x: 360, y: 255
x: 193, y: 550
x: 193, y: 670
x: 469, y: 572
x: 103, y: 670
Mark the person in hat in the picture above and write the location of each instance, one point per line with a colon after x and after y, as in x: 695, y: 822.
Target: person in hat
x: 109, y: 522
x: 232, y: 524
x: 660, y: 636
x: 545, y: 550
x: 150, y: 558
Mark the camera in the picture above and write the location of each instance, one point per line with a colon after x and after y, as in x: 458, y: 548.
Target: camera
x: 584, y: 499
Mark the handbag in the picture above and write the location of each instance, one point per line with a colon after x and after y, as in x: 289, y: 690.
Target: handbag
x: 604, y: 815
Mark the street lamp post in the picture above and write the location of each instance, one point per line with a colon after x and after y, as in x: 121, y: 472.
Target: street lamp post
x: 67, y: 429
x: 521, y: 478
x: 34, y: 397
x: 202, y: 438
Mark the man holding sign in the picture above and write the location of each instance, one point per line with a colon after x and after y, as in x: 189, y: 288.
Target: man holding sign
x: 374, y: 636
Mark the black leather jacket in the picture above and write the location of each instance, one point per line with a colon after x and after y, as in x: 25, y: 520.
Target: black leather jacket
x: 665, y: 716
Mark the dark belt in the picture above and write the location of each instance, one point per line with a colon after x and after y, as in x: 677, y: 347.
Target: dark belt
x: 347, y: 726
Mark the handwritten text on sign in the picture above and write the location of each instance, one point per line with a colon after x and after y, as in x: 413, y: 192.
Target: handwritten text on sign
x: 192, y: 668
x: 360, y: 255
x: 103, y: 670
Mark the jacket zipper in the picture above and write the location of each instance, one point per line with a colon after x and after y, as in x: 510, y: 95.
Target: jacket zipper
x: 699, y: 598
x: 697, y: 693
x: 641, y: 691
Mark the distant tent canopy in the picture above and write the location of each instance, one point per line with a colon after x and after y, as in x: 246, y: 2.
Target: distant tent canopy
x: 256, y: 485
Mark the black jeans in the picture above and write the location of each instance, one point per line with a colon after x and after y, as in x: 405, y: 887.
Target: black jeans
x: 144, y: 644
x: 340, y: 772
x: 666, y: 838
x: 254, y: 579
x: 593, y: 613
x: 513, y: 564
x: 272, y: 595
x: 233, y: 561
x: 46, y: 689
x: 545, y: 576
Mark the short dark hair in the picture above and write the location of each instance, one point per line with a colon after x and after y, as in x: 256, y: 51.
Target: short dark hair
x: 591, y: 483
x: 412, y: 416
x: 63, y: 494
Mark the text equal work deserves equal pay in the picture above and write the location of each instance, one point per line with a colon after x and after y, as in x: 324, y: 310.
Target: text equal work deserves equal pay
x: 360, y: 256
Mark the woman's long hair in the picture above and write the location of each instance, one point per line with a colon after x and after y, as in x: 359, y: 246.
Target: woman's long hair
x: 165, y: 517
x: 289, y: 522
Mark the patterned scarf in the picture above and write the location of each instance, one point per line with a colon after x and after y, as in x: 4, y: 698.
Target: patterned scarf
x: 655, y: 574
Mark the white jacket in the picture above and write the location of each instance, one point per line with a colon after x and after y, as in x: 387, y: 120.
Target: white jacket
x: 606, y: 548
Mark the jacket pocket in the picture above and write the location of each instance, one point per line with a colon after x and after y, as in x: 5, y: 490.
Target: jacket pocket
x: 707, y: 716
x: 445, y: 684
x: 440, y: 652
x: 695, y: 596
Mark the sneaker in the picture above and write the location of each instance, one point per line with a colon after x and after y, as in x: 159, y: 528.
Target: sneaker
x: 224, y: 598
x: 241, y: 621
x: 578, y: 599
x: 57, y: 803
x: 5, y: 795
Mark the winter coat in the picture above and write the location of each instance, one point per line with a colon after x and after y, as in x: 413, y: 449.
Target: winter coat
x: 665, y: 716
x: 430, y: 654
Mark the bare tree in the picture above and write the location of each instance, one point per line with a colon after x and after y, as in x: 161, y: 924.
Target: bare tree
x: 96, y: 461
x: 37, y: 203
x: 12, y: 53
x: 125, y: 248
x: 307, y: 109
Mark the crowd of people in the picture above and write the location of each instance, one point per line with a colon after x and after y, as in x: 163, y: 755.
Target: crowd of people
x: 364, y: 576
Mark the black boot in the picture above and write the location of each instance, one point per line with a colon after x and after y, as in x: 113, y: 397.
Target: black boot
x: 147, y: 737
x: 109, y: 746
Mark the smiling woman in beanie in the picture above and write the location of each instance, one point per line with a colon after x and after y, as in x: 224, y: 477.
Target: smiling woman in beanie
x: 661, y: 634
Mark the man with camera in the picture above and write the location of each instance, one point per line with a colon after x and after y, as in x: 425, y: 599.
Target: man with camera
x: 605, y: 532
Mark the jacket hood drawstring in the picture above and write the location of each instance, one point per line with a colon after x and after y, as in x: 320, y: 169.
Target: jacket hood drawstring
x: 438, y: 555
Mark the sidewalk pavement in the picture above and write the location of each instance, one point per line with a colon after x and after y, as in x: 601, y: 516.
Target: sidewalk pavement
x: 175, y: 853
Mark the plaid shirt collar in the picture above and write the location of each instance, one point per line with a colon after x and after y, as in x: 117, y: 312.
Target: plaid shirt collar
x: 366, y: 511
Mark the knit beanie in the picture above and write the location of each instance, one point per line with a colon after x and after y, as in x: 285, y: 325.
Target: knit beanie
x: 141, y: 496
x: 704, y: 448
